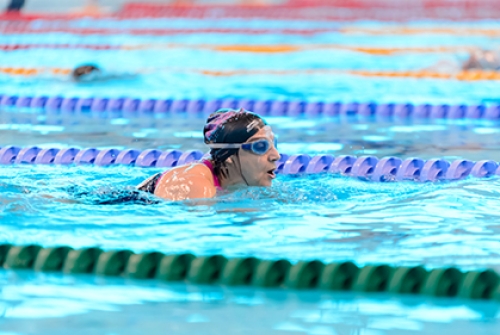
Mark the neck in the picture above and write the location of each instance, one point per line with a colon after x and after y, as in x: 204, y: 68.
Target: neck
x: 231, y: 182
x: 233, y: 174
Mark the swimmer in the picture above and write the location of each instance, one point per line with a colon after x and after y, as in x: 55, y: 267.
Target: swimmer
x: 92, y: 73
x: 15, y: 6
x: 478, y: 59
x: 482, y: 60
x: 85, y: 72
x: 243, y: 153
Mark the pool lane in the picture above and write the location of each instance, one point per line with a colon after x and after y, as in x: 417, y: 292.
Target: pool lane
x: 52, y: 304
x: 450, y: 139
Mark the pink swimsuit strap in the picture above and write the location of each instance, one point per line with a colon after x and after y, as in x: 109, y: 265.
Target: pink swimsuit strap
x: 211, y: 167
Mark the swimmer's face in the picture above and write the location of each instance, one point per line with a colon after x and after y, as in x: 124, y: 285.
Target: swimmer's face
x: 259, y: 170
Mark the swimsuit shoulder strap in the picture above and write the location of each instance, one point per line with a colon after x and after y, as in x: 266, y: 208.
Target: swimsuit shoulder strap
x: 209, y: 164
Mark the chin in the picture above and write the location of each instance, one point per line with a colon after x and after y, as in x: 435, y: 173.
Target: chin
x: 266, y: 183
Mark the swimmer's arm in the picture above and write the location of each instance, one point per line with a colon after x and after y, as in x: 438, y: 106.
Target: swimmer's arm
x: 190, y: 187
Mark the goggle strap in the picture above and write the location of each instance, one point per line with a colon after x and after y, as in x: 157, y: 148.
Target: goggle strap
x: 224, y: 146
x: 247, y: 146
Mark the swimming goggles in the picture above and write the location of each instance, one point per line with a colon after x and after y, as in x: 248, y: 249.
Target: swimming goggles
x: 259, y: 147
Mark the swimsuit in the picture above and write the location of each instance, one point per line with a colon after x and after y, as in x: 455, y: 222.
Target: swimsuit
x: 139, y: 196
x: 211, y: 167
x: 113, y: 196
x: 149, y: 185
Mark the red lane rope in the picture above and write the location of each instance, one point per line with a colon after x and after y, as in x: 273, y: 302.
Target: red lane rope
x: 366, y: 4
x: 392, y: 10
x: 388, y: 3
x: 13, y: 47
x: 89, y: 31
x: 325, y: 10
x: 21, y: 17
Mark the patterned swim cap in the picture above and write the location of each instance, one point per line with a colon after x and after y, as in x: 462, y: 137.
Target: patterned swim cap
x: 216, y: 122
x: 229, y: 126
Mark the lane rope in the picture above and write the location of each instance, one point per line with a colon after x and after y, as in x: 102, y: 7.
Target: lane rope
x: 14, y: 27
x: 250, y: 271
x: 134, y: 107
x: 347, y: 10
x: 166, y: 31
x: 334, y: 10
x: 470, y: 75
x: 386, y: 169
x: 241, y: 48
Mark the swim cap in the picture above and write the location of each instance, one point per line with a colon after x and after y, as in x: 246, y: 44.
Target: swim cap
x: 230, y: 126
x: 241, y: 119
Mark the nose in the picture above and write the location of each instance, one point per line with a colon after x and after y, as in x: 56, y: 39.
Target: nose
x: 274, y: 155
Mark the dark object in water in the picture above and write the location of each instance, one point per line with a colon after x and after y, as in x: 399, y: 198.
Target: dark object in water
x: 15, y: 6
x: 83, y: 71
x: 114, y: 196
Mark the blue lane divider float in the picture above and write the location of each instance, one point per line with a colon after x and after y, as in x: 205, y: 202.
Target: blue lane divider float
x: 123, y: 107
x: 365, y: 167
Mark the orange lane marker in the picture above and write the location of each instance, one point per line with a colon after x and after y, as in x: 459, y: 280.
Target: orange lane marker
x: 286, y: 48
x: 403, y: 74
x: 21, y: 71
x: 417, y: 31
x: 462, y: 76
x: 391, y: 51
x: 60, y: 71
x: 242, y: 48
x: 258, y: 48
x: 296, y: 48
x: 266, y: 72
x: 18, y: 71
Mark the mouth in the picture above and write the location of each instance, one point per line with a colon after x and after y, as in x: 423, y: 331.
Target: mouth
x: 272, y: 173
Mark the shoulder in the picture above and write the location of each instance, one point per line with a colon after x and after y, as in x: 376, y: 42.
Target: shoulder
x: 186, y: 182
x: 189, y: 170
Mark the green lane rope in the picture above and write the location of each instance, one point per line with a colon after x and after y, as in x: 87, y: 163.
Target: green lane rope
x: 246, y: 271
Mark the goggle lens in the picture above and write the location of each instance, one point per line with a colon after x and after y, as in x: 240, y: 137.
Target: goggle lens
x: 262, y: 146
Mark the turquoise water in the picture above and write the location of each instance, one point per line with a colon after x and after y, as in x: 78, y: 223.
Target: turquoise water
x: 52, y: 304
x: 450, y: 139
x: 174, y: 71
x: 326, y: 217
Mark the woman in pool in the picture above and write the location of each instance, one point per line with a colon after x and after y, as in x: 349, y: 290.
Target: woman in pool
x: 243, y: 153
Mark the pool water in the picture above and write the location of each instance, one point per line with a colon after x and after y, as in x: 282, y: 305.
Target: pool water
x: 326, y: 217
x: 182, y: 65
x: 53, y: 304
x: 450, y: 139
